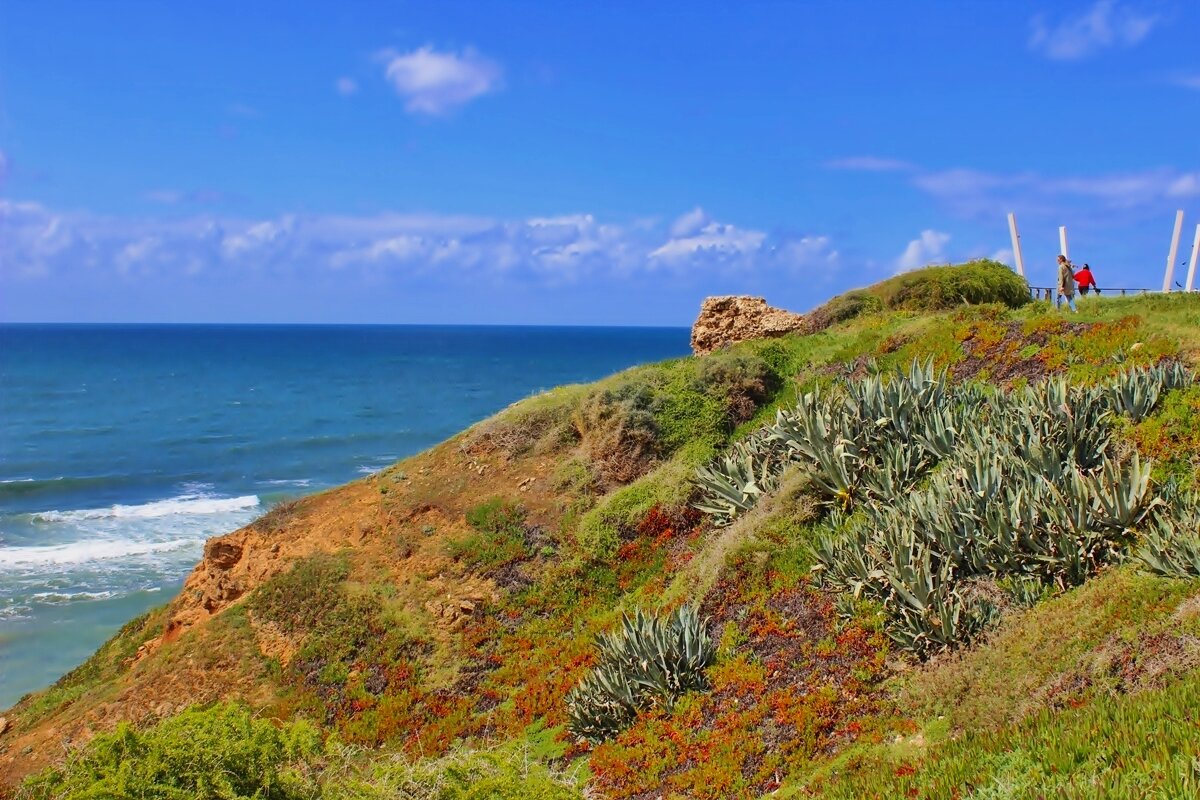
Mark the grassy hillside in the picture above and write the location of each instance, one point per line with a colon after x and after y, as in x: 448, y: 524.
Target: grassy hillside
x: 425, y: 632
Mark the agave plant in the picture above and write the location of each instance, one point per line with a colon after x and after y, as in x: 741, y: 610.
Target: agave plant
x: 956, y: 484
x: 1135, y: 393
x: 1122, y: 494
x: 1171, y: 544
x: 734, y: 483
x: 648, y: 662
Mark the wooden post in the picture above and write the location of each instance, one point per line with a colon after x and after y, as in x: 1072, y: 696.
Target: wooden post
x: 1191, y: 281
x: 1016, y: 243
x: 1062, y: 241
x: 1170, y: 273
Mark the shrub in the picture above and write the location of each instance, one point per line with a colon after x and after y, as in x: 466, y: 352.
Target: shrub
x: 218, y: 752
x: 649, y: 663
x: 618, y: 430
x: 301, y: 598
x: 845, y: 306
x: 503, y: 774
x: 936, y: 288
x: 541, y: 423
x: 741, y: 381
x: 634, y: 419
x: 601, y: 530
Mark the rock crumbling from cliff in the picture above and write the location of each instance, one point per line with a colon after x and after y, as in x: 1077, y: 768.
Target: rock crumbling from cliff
x: 735, y: 318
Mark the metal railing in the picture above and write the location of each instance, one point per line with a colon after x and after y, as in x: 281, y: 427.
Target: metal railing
x: 1048, y: 292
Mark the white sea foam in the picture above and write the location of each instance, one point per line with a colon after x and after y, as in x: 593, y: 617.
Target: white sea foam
x: 376, y: 463
x: 87, y: 551
x: 190, y: 504
x: 301, y: 482
x: 59, y: 598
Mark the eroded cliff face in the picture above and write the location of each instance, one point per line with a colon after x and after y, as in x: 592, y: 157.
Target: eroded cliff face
x: 395, y: 525
x: 735, y: 318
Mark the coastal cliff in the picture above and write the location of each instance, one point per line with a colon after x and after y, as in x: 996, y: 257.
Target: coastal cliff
x: 446, y: 607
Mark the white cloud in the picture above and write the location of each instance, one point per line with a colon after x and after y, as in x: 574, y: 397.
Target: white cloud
x: 690, y: 223
x: 346, y: 86
x: 434, y: 83
x: 809, y: 251
x: 1106, y: 24
x: 452, y: 248
x: 259, y: 238
x: 988, y: 194
x: 870, y: 164
x: 3, y: 166
x: 712, y: 240
x: 1185, y: 186
x: 1187, y: 81
x: 1004, y: 255
x: 928, y: 249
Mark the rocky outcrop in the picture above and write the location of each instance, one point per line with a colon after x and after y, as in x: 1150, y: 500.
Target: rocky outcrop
x: 735, y: 318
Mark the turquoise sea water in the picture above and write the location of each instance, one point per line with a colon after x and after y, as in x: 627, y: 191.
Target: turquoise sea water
x: 122, y: 448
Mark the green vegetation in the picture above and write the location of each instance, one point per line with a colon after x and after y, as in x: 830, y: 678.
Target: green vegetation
x: 938, y: 288
x: 510, y: 773
x: 219, y: 752
x: 103, y: 666
x: 225, y: 752
x: 1140, y: 745
x: 649, y: 664
x: 498, y: 537
x: 955, y: 501
x: 1022, y: 490
x: 1171, y: 546
x: 1171, y: 436
x: 1116, y: 633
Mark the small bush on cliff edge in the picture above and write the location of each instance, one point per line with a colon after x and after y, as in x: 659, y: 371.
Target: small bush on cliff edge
x: 218, y: 752
x: 936, y: 288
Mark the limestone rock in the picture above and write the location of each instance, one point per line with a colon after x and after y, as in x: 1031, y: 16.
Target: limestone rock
x: 3, y: 725
x: 222, y: 553
x: 736, y: 318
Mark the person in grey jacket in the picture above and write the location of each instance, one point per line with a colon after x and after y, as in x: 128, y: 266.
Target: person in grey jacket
x: 1066, y: 285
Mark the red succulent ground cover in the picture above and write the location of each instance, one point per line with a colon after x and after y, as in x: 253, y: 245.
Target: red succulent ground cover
x: 791, y: 684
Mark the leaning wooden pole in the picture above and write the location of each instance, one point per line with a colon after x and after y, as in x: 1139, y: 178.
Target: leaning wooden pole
x: 1016, y: 243
x: 1170, y: 273
x: 1191, y: 281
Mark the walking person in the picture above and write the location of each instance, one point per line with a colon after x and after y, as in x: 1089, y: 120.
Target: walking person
x: 1066, y: 285
x: 1086, y: 281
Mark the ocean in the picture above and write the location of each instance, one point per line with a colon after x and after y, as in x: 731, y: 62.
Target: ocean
x: 124, y: 447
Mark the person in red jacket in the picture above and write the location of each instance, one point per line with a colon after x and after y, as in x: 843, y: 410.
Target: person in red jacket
x: 1085, y: 280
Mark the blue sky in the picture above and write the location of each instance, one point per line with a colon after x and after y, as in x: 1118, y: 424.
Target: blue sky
x: 586, y: 163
